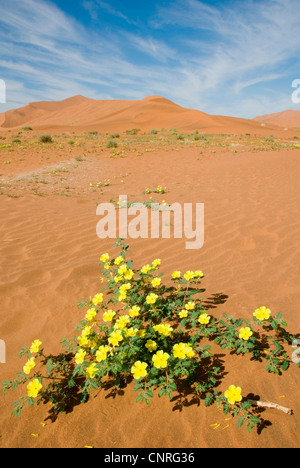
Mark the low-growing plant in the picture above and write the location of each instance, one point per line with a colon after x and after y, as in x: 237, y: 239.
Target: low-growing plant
x: 26, y: 129
x: 158, y: 334
x: 134, y: 131
x: 45, y: 139
x: 112, y: 144
x: 158, y: 189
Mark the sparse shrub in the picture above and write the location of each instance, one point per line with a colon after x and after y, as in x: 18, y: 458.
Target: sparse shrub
x: 112, y: 144
x: 45, y: 139
x: 16, y: 141
x: 26, y: 129
x: 115, y: 135
x: 270, y: 138
x: 153, y: 132
x: 134, y: 131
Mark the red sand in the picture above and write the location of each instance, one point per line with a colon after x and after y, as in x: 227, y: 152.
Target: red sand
x: 50, y: 253
x: 287, y: 119
x: 153, y: 112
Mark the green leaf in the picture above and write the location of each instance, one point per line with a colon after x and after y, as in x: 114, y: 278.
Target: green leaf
x: 249, y: 427
x: 240, y: 422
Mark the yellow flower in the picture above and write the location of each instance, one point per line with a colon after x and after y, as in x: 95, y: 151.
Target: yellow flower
x: 183, y: 350
x: 90, y: 315
x: 233, y: 394
x: 160, y: 360
x: 91, y: 371
x: 156, y: 282
x: 198, y: 274
x: 33, y: 388
x: 107, y: 266
x: 142, y: 333
x: 176, y: 274
x: 108, y: 315
x: 122, y: 269
x: 82, y: 340
x: 179, y: 351
x: 134, y: 311
x: 35, y: 347
x: 122, y: 322
x: 151, y: 346
x: 128, y: 274
x: 104, y: 258
x: 204, y: 319
x: 29, y: 366
x: 98, y: 299
x: 119, y: 260
x: 146, y: 269
x: 131, y: 332
x: 139, y: 370
x: 80, y: 357
x: 183, y: 313
x: 125, y: 287
x: 151, y: 298
x: 156, y: 262
x: 115, y: 338
x: 163, y: 329
x: 262, y: 313
x: 86, y: 331
x: 101, y: 354
x: 245, y: 333
x: 118, y: 278
x: 122, y: 296
x: 190, y: 305
x: 188, y: 275
x: 189, y: 351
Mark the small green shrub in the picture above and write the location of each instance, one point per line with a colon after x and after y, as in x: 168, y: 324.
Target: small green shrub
x: 45, y: 139
x: 112, y: 144
x: 134, y: 131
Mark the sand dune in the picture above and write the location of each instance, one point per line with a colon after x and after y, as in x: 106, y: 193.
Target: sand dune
x: 288, y: 118
x: 49, y: 254
x: 153, y: 112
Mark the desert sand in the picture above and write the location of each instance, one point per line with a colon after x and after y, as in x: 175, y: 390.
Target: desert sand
x: 287, y: 119
x: 248, y: 178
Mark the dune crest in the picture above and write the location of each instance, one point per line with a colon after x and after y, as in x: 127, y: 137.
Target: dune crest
x: 152, y: 112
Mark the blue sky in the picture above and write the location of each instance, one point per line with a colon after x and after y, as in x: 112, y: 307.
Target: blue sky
x: 226, y: 57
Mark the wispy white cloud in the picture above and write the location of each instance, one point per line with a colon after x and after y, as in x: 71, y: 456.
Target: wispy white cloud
x: 95, y: 7
x: 216, y: 59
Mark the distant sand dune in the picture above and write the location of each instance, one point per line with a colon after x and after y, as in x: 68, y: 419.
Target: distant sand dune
x: 152, y: 112
x: 288, y: 118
